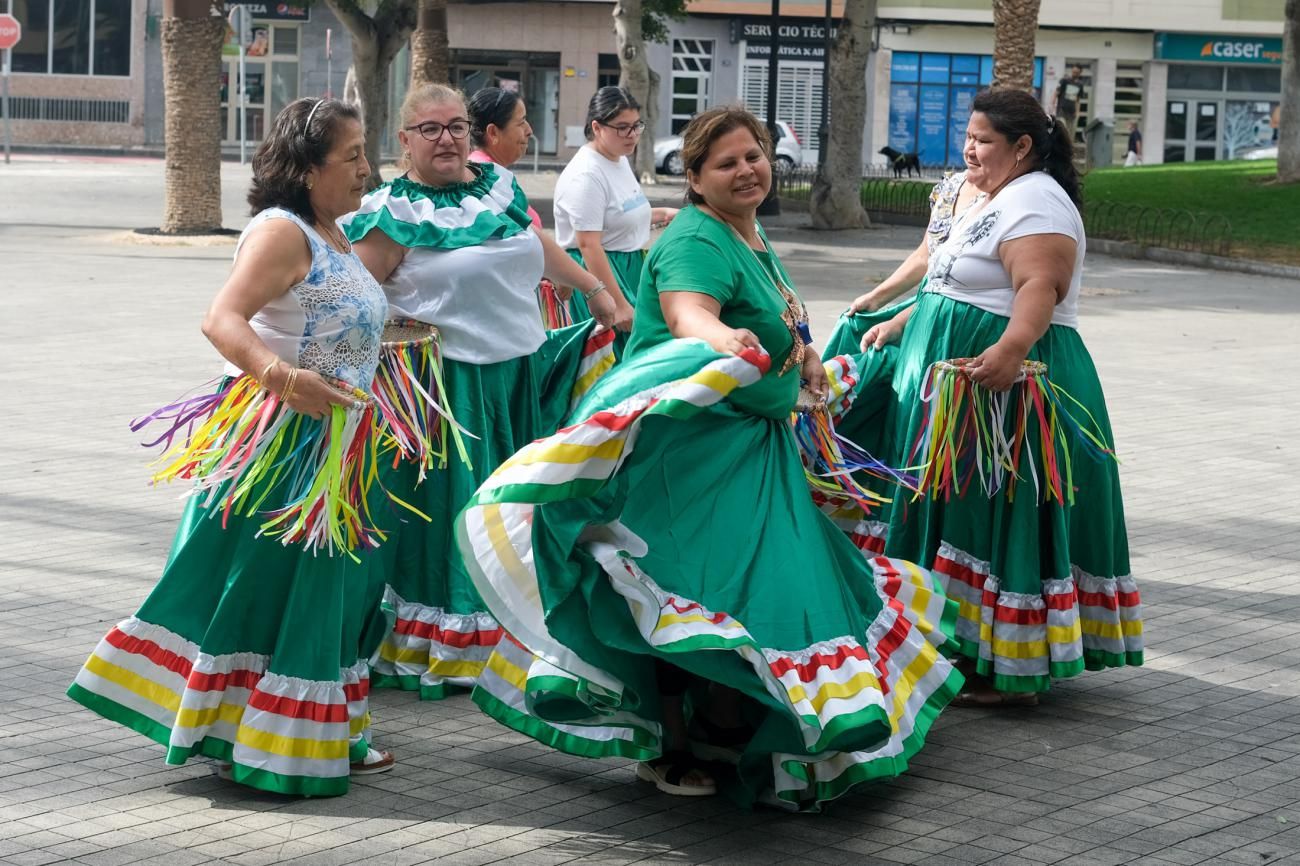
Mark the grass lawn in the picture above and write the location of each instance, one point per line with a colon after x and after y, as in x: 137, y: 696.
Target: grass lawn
x: 1265, y: 216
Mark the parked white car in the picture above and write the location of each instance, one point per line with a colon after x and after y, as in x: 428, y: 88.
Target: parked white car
x: 1268, y: 151
x: 789, y: 152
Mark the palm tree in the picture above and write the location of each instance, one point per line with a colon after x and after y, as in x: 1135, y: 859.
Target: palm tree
x: 192, y: 34
x: 636, y: 75
x: 836, y: 199
x: 430, y: 53
x: 1288, y: 129
x: 1015, y: 23
x: 376, y: 39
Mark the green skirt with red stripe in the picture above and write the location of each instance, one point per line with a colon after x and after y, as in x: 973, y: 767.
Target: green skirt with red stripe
x: 250, y: 652
x: 666, y: 524
x: 1044, y: 586
x: 443, y: 633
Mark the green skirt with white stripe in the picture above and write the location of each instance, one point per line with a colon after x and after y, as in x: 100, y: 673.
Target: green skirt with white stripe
x: 1044, y: 587
x: 665, y: 524
x: 444, y: 634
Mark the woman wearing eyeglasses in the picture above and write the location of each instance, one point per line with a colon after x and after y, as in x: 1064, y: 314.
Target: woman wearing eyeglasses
x: 602, y: 216
x: 452, y: 245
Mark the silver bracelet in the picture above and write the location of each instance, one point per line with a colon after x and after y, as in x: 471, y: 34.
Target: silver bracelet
x: 600, y: 287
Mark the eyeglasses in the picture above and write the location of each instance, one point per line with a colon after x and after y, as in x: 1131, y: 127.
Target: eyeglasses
x: 626, y: 130
x: 432, y: 130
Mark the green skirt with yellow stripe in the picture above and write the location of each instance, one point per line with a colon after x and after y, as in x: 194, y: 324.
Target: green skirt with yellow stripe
x: 665, y: 524
x: 250, y: 652
x: 444, y: 633
x: 1044, y: 586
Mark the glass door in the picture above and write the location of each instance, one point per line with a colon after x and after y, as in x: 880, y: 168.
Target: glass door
x: 1192, y: 130
x: 1205, y: 141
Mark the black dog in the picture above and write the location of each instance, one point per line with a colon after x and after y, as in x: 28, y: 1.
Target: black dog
x: 902, y: 161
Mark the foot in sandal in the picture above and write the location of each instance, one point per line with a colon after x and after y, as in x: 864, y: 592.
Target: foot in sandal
x: 677, y: 773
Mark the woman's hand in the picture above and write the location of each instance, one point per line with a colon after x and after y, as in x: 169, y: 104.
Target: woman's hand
x: 623, y: 314
x: 864, y: 303
x: 662, y: 216
x: 881, y: 335
x: 813, y: 374
x: 311, y: 395
x: 997, y: 367
x: 604, y: 309
x: 736, y: 341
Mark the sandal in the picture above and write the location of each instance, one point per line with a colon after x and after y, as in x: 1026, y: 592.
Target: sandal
x: 992, y: 699
x: 226, y: 771
x: 668, y: 771
x: 375, y: 761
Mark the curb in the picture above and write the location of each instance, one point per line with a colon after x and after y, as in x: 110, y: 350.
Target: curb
x: 1130, y: 250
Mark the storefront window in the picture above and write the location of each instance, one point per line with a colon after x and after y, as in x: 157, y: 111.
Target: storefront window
x: 1247, y: 124
x: 930, y: 100
x: 112, y: 37
x: 61, y: 37
x: 270, y: 79
x: 284, y: 84
x: 1188, y: 77
x: 1254, y: 79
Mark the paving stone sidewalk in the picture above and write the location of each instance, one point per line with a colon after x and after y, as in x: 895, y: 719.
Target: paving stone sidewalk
x: 1194, y: 758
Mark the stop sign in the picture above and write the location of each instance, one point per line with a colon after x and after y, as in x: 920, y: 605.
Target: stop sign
x: 10, y: 31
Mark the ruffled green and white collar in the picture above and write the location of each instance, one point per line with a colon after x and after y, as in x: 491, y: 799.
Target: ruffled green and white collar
x: 490, y: 207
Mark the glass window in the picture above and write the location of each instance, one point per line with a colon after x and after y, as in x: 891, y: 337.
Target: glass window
x: 285, y: 40
x: 71, y: 48
x: 906, y: 66
x: 1187, y: 77
x: 31, y: 54
x: 1176, y: 121
x: 1254, y: 79
x: 112, y: 37
x: 284, y: 84
x: 934, y: 68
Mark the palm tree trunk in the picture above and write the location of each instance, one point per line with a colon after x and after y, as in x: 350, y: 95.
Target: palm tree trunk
x: 1288, y: 128
x: 430, y: 53
x: 836, y: 199
x: 192, y: 34
x: 1015, y: 25
x: 636, y: 75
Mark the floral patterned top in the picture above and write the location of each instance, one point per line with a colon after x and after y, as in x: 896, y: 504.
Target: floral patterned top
x: 331, y: 322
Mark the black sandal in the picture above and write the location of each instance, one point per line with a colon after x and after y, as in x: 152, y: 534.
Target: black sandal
x: 668, y: 771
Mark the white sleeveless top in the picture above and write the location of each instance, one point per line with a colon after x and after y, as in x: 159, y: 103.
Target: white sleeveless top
x: 332, y: 321
x: 966, y: 267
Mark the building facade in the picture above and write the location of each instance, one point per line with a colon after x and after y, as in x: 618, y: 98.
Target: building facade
x: 1200, y: 78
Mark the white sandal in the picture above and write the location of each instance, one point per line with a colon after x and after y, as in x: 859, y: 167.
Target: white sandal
x: 375, y: 761
x: 668, y: 771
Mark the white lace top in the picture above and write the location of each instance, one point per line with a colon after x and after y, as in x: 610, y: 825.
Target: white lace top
x: 331, y: 322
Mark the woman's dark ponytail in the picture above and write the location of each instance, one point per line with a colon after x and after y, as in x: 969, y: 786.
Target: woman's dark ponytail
x: 1057, y: 157
x: 1014, y: 113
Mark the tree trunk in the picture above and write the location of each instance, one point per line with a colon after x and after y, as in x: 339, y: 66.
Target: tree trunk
x: 192, y: 35
x: 836, y: 200
x: 636, y: 75
x: 1015, y: 25
x: 1288, y: 127
x: 376, y: 39
x: 430, y: 52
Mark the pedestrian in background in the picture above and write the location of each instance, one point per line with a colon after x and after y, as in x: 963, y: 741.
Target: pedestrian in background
x: 1133, y: 155
x: 1065, y: 102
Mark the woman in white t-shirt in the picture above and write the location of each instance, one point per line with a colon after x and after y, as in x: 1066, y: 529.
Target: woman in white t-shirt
x: 602, y: 216
x: 1044, y: 587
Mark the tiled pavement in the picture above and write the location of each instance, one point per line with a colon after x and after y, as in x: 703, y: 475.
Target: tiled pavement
x: 1194, y: 758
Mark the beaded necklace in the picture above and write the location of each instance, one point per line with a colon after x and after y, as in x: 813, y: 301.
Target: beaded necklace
x: 795, y: 315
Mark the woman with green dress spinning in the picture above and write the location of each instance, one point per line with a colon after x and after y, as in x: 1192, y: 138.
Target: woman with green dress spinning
x: 669, y: 590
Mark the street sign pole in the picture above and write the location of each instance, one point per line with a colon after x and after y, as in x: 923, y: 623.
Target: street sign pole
x: 243, y: 112
x: 5, y: 100
x: 329, y: 64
